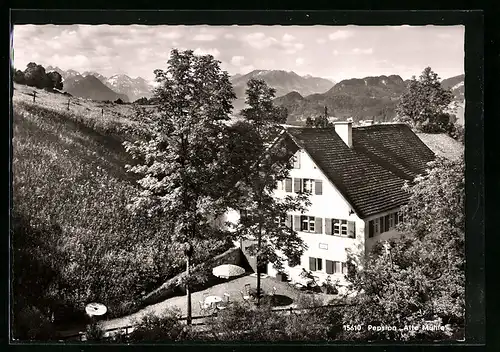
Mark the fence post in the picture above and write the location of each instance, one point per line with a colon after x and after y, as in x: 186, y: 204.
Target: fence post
x: 34, y: 96
x: 68, y: 103
x: 102, y: 112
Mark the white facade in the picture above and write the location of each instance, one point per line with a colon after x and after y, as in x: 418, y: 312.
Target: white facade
x: 330, y: 204
x: 329, y: 249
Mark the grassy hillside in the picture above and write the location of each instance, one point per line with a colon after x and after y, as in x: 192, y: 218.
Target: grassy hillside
x: 70, y: 189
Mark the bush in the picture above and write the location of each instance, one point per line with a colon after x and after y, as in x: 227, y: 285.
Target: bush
x: 164, y: 327
x: 94, y: 332
x: 29, y: 323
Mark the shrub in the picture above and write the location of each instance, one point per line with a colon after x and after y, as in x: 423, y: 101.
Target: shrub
x: 94, y: 332
x: 164, y: 327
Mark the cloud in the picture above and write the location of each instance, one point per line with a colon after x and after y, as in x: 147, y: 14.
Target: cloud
x: 362, y: 51
x: 213, y: 51
x: 340, y: 35
x: 292, y: 48
x: 228, y: 36
x: 237, y: 60
x: 299, y: 61
x: 288, y: 37
x: 259, y: 40
x: 204, y: 37
x: 335, y: 52
x: 321, y: 41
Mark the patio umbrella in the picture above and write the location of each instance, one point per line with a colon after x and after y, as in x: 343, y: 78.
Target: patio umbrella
x: 226, y: 271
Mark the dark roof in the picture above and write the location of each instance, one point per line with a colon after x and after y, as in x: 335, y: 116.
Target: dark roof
x: 364, y: 174
x: 394, y: 147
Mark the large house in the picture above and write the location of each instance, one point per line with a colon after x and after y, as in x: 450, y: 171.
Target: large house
x: 355, y: 175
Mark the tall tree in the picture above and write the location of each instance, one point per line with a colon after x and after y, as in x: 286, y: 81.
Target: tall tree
x: 177, y: 164
x: 421, y: 276
x: 264, y: 217
x: 424, y: 104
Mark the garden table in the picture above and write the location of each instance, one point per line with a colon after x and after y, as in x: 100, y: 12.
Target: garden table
x: 213, y: 300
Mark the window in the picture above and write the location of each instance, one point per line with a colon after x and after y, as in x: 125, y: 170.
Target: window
x: 288, y: 185
x: 307, y: 223
x: 296, y: 161
x: 307, y: 185
x: 281, y: 220
x: 371, y: 231
x: 315, y: 264
x: 343, y: 228
x: 339, y: 227
x: 336, y: 226
x: 344, y: 268
x: 337, y: 269
x: 297, y: 185
x: 334, y: 267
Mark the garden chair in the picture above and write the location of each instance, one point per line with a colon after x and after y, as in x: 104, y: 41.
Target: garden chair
x: 205, y: 308
x: 245, y: 296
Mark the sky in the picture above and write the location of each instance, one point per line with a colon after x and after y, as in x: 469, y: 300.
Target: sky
x: 333, y: 52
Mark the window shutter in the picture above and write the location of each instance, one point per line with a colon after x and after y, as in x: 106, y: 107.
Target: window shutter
x: 288, y: 185
x: 312, y: 264
x: 318, y: 225
x: 328, y: 226
x: 319, y: 264
x: 396, y: 218
x: 296, y: 185
x: 296, y: 222
x: 288, y: 220
x: 329, y: 267
x: 370, y: 228
x: 318, y: 187
x: 386, y: 223
x: 351, y: 229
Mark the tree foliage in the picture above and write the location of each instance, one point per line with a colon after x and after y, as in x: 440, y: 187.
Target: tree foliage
x: 56, y: 79
x: 419, y: 277
x: 178, y: 164
x: 424, y: 104
x: 262, y: 216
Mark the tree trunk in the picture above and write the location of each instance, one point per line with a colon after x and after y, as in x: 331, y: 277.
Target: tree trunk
x: 188, y: 291
x: 259, y: 240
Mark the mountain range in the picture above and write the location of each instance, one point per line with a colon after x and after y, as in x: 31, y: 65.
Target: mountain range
x: 366, y: 98
x: 118, y: 86
x: 283, y: 81
x: 303, y: 96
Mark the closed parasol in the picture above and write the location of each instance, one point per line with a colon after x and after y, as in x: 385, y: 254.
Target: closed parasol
x: 226, y: 271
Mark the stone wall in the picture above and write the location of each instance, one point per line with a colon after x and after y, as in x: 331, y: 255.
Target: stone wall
x: 174, y: 287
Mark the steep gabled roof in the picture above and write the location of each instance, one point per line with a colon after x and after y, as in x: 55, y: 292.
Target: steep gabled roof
x: 394, y: 147
x: 363, y: 174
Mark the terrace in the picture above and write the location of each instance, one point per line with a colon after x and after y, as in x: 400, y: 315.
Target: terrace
x: 288, y: 297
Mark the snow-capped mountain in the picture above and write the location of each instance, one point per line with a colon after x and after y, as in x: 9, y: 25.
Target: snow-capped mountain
x: 134, y: 88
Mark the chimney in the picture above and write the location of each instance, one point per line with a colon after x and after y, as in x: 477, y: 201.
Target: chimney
x: 344, y: 130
